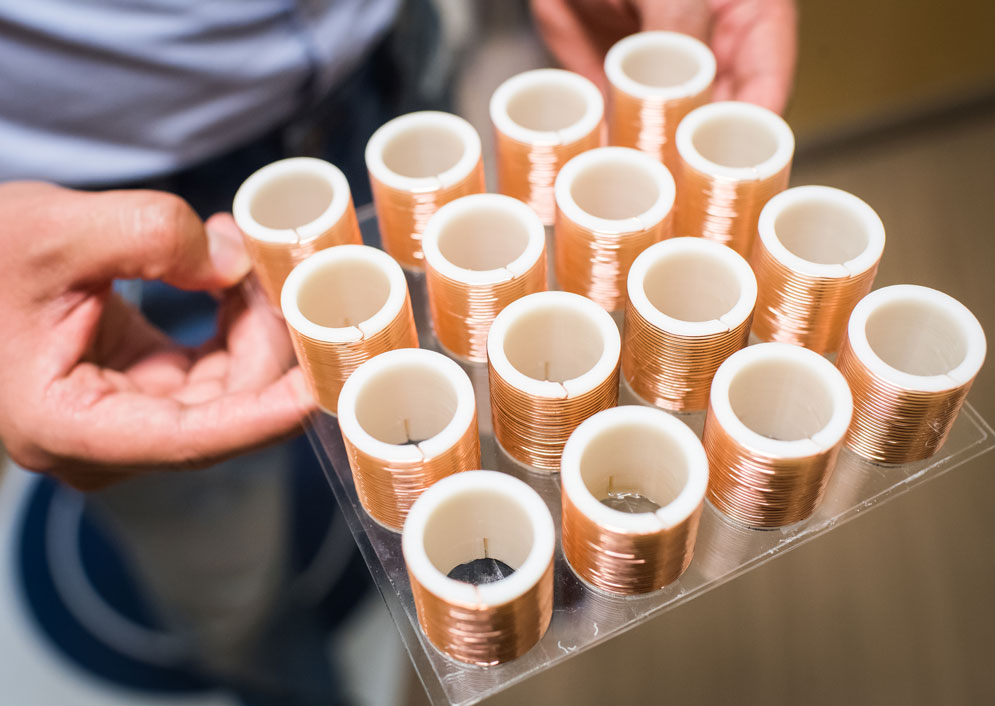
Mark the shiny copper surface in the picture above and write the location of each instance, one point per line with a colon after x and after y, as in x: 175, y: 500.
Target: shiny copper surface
x: 327, y: 365
x: 462, y: 312
x: 794, y: 307
x: 670, y: 370
x: 387, y: 488
x: 892, y: 424
x: 482, y: 634
x: 626, y: 562
x: 533, y: 429
x: 758, y: 490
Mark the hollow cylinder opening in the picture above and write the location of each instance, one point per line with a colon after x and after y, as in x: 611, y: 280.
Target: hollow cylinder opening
x: 823, y: 231
x: 406, y: 403
x: 634, y: 468
x: 291, y: 201
x: 736, y: 140
x: 660, y: 64
x: 478, y: 524
x: 547, y: 105
x: 917, y: 337
x: 554, y: 343
x: 784, y: 400
x: 484, y: 238
x: 343, y: 292
x: 690, y: 286
x: 423, y: 150
x: 615, y: 189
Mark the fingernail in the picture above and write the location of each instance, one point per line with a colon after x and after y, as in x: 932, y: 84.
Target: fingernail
x: 228, y: 254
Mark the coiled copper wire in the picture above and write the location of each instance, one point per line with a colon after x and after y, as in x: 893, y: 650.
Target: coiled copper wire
x: 619, y: 453
x: 408, y: 419
x: 690, y: 303
x: 343, y: 306
x: 776, y: 420
x: 482, y: 252
x: 417, y: 163
x: 910, y: 357
x: 553, y: 362
x: 475, y: 515
x: 654, y: 80
x: 733, y: 157
x: 289, y: 210
x: 612, y: 203
x: 816, y: 257
x: 541, y: 120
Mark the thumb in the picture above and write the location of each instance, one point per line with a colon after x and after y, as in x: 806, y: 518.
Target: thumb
x: 149, y: 235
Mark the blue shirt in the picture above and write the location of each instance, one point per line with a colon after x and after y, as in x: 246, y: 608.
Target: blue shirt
x: 105, y: 91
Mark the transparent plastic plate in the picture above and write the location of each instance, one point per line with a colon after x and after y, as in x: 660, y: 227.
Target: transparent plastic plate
x: 583, y: 617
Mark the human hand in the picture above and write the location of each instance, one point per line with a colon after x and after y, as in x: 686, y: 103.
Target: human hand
x: 754, y: 41
x: 90, y: 391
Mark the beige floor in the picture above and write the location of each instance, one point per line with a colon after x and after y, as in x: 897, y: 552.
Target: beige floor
x: 896, y: 606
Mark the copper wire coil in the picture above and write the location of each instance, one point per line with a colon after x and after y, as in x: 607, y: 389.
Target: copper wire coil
x: 910, y: 357
x: 408, y: 419
x: 776, y: 420
x: 612, y: 203
x: 733, y: 157
x: 553, y: 362
x: 541, y: 120
x: 343, y: 306
x: 618, y: 454
x: 816, y: 257
x: 473, y: 515
x: 482, y: 252
x: 417, y: 163
x: 289, y: 210
x: 654, y: 80
x: 689, y: 307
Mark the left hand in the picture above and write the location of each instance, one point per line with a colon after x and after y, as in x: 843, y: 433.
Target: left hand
x: 754, y: 41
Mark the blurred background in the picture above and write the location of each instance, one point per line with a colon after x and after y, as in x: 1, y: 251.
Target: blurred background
x: 895, y: 102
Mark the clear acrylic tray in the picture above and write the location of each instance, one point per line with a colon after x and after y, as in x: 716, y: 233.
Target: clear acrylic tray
x: 582, y: 617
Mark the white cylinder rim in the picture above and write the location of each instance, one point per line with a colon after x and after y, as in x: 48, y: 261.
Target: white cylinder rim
x: 628, y: 158
x: 343, y: 255
x: 697, y: 50
x: 441, y: 220
x: 390, y: 130
x: 678, y: 510
x: 821, y: 441
x: 594, y: 107
x: 726, y: 257
x: 306, y: 167
x: 735, y: 110
x: 499, y: 592
x: 960, y: 315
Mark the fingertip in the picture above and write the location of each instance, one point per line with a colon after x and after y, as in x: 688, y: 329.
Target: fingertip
x: 301, y: 392
x: 227, y: 252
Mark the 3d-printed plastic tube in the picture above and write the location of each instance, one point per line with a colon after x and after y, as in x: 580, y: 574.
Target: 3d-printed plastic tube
x: 655, y: 79
x: 482, y: 252
x: 776, y: 420
x: 417, y: 163
x: 554, y: 359
x: 617, y: 454
x: 816, y: 257
x: 541, y: 120
x: 910, y: 356
x: 477, y: 515
x: 408, y: 419
x: 343, y: 306
x: 733, y: 157
x: 612, y: 203
x: 291, y: 209
x: 689, y: 308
